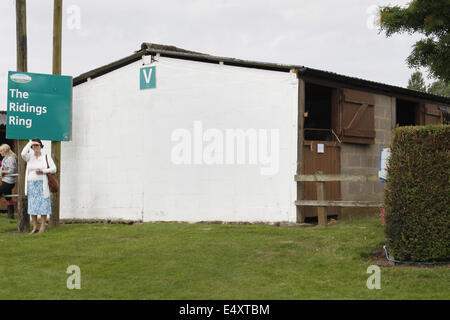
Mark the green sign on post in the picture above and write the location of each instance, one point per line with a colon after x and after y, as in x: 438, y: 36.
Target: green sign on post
x: 39, y: 106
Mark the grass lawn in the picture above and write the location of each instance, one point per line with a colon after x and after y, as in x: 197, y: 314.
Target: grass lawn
x: 207, y: 261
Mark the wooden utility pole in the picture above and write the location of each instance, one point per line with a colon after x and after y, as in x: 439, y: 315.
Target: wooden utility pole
x: 56, y: 145
x: 21, y: 37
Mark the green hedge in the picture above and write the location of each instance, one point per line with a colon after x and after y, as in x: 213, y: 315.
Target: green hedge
x: 417, y: 197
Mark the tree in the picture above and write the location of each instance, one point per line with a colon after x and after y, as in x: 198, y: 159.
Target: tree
x: 416, y: 82
x: 430, y: 18
x: 440, y: 87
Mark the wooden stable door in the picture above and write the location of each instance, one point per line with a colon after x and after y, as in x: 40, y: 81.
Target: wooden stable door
x: 428, y: 114
x: 328, y: 162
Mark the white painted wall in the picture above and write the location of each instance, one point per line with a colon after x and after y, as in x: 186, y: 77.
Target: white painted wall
x: 119, y: 164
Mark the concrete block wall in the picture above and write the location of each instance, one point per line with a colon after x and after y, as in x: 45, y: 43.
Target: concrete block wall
x: 363, y: 159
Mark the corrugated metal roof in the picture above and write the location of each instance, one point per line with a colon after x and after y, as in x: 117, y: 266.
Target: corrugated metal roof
x: 148, y: 48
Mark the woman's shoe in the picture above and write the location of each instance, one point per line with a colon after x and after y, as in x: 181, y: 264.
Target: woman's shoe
x: 34, y: 231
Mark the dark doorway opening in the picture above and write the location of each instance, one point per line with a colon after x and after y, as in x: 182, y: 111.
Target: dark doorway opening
x: 318, y: 112
x: 406, y: 113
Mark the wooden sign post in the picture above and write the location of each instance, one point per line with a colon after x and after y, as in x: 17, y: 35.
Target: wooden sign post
x: 23, y: 220
x: 56, y: 145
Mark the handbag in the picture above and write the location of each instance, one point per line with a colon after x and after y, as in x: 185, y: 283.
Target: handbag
x: 52, y: 180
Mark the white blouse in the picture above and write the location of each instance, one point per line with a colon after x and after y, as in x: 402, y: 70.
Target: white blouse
x: 33, y: 164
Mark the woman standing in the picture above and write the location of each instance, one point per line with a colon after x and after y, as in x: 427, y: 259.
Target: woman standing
x: 36, y: 182
x: 9, y: 165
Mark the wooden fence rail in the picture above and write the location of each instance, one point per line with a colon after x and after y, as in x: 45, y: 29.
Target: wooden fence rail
x: 321, y: 201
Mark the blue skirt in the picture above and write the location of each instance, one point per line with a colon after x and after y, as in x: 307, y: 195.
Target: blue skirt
x: 37, y: 204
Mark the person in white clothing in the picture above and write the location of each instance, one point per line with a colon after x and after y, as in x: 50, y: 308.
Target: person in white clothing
x: 36, y: 182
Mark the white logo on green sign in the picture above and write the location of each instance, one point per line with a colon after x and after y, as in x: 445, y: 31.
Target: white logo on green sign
x: 39, y: 106
x: 20, y: 78
x: 148, y: 77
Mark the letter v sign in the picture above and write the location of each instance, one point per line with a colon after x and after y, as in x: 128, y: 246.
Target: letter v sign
x: 147, y: 77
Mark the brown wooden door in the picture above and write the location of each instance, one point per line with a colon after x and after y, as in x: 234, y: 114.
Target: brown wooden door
x: 432, y: 114
x: 358, y: 117
x: 428, y: 113
x: 328, y: 162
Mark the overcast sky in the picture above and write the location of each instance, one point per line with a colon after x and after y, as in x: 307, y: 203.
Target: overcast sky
x: 330, y: 35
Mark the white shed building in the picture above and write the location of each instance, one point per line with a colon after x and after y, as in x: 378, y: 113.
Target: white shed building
x: 194, y: 148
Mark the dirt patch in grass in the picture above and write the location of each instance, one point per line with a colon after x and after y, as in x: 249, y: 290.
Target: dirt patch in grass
x: 378, y: 258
